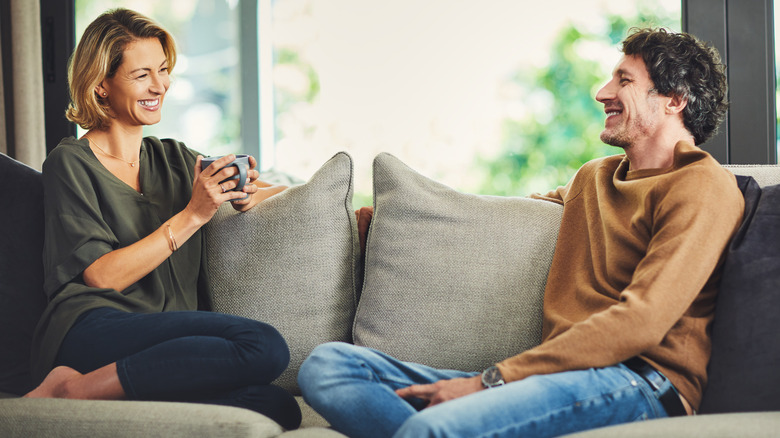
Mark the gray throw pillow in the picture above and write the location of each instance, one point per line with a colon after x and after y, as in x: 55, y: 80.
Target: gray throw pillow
x: 452, y: 280
x: 290, y: 262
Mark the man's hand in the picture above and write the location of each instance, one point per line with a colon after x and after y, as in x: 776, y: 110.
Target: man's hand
x: 443, y: 390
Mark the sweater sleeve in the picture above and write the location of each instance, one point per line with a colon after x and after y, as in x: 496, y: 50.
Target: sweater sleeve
x: 558, y: 195
x: 692, y: 220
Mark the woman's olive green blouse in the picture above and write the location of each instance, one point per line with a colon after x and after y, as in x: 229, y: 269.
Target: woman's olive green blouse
x: 88, y: 213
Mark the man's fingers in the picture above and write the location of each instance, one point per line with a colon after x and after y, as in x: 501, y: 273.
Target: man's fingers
x: 418, y: 391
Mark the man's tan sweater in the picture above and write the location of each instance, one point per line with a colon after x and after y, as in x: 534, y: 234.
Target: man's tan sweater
x: 636, y: 269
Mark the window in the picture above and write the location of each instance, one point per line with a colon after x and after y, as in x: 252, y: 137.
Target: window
x: 492, y: 97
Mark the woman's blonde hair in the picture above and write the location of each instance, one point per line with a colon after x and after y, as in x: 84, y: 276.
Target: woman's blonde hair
x: 99, y: 55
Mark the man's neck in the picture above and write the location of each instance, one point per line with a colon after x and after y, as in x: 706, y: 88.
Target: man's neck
x: 654, y: 155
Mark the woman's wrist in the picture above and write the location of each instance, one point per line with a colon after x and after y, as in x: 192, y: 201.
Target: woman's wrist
x: 189, y: 218
x: 180, y: 228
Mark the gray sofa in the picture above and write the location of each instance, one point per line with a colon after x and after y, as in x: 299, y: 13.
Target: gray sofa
x: 439, y: 272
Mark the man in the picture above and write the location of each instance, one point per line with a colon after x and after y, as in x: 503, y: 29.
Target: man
x: 630, y: 293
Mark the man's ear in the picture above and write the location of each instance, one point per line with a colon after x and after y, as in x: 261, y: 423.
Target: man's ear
x: 676, y: 104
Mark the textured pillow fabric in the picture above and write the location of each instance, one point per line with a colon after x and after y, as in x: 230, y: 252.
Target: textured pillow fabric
x: 744, y: 370
x: 452, y: 280
x: 290, y: 262
x: 21, y: 271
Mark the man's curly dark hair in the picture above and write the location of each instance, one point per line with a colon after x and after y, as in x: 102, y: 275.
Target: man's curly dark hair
x: 681, y: 65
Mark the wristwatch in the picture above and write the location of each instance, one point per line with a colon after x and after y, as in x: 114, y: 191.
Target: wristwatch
x: 492, y: 377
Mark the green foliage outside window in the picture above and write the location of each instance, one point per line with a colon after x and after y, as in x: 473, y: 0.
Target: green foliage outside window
x: 543, y: 149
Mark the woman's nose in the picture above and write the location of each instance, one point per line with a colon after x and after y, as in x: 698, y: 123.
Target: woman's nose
x: 159, y: 84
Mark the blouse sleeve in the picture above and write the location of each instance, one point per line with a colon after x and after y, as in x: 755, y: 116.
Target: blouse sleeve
x: 76, y: 233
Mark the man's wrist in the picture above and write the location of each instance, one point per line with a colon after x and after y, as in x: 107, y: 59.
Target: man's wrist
x: 492, y: 377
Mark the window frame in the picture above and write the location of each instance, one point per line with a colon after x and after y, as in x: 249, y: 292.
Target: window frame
x: 58, y: 40
x: 747, y: 136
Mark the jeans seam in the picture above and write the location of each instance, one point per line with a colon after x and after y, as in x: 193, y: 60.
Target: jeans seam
x: 649, y: 393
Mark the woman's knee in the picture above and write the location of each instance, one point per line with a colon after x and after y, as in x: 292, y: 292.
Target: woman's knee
x: 264, y: 348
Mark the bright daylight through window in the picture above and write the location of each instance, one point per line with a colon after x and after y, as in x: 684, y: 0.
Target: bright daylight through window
x: 491, y: 96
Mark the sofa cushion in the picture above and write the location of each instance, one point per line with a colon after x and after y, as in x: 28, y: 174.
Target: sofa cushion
x: 743, y: 369
x: 21, y: 271
x: 291, y: 262
x: 452, y: 280
x: 747, y: 425
x: 49, y: 417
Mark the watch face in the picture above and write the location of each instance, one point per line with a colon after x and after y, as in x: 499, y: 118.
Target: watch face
x: 492, y: 377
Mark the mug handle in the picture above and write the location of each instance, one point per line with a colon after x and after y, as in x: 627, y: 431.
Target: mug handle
x: 242, y: 170
x: 242, y: 180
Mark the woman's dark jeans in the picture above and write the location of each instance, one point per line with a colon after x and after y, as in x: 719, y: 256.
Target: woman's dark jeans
x: 202, y: 357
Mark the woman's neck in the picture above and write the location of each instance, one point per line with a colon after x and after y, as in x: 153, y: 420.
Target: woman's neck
x: 117, y: 142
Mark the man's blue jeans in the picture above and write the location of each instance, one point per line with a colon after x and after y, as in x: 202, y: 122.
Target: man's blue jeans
x: 353, y: 388
x: 203, y: 357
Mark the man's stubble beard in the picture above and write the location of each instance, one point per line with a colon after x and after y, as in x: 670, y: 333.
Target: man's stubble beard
x: 619, y: 139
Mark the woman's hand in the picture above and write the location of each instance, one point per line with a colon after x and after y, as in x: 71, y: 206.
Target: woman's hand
x: 250, y: 188
x: 208, y: 193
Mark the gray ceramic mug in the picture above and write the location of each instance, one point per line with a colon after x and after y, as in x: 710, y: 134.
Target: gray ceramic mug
x: 241, y: 163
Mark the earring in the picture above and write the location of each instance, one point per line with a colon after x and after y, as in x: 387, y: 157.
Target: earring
x: 105, y: 94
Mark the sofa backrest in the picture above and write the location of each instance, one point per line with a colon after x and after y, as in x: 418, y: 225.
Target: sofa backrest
x: 21, y: 270
x: 764, y: 174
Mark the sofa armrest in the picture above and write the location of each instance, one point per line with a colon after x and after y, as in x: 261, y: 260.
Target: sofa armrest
x: 57, y: 417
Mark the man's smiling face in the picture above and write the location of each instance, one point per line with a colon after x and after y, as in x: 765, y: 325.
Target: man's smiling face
x: 633, y: 107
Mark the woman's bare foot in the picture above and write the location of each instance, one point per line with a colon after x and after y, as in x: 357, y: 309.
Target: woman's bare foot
x: 55, y: 384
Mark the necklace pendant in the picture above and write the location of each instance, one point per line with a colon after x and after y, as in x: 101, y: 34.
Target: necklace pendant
x: 132, y: 164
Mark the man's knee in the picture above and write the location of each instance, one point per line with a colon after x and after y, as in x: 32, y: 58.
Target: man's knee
x: 323, y: 363
x: 423, y: 425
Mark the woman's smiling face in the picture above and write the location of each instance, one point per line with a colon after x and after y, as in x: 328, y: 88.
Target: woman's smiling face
x: 135, y: 93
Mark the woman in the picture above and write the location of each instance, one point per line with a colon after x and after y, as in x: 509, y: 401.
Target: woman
x: 124, y: 248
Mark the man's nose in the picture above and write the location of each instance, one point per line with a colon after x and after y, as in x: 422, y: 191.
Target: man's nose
x: 606, y: 93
